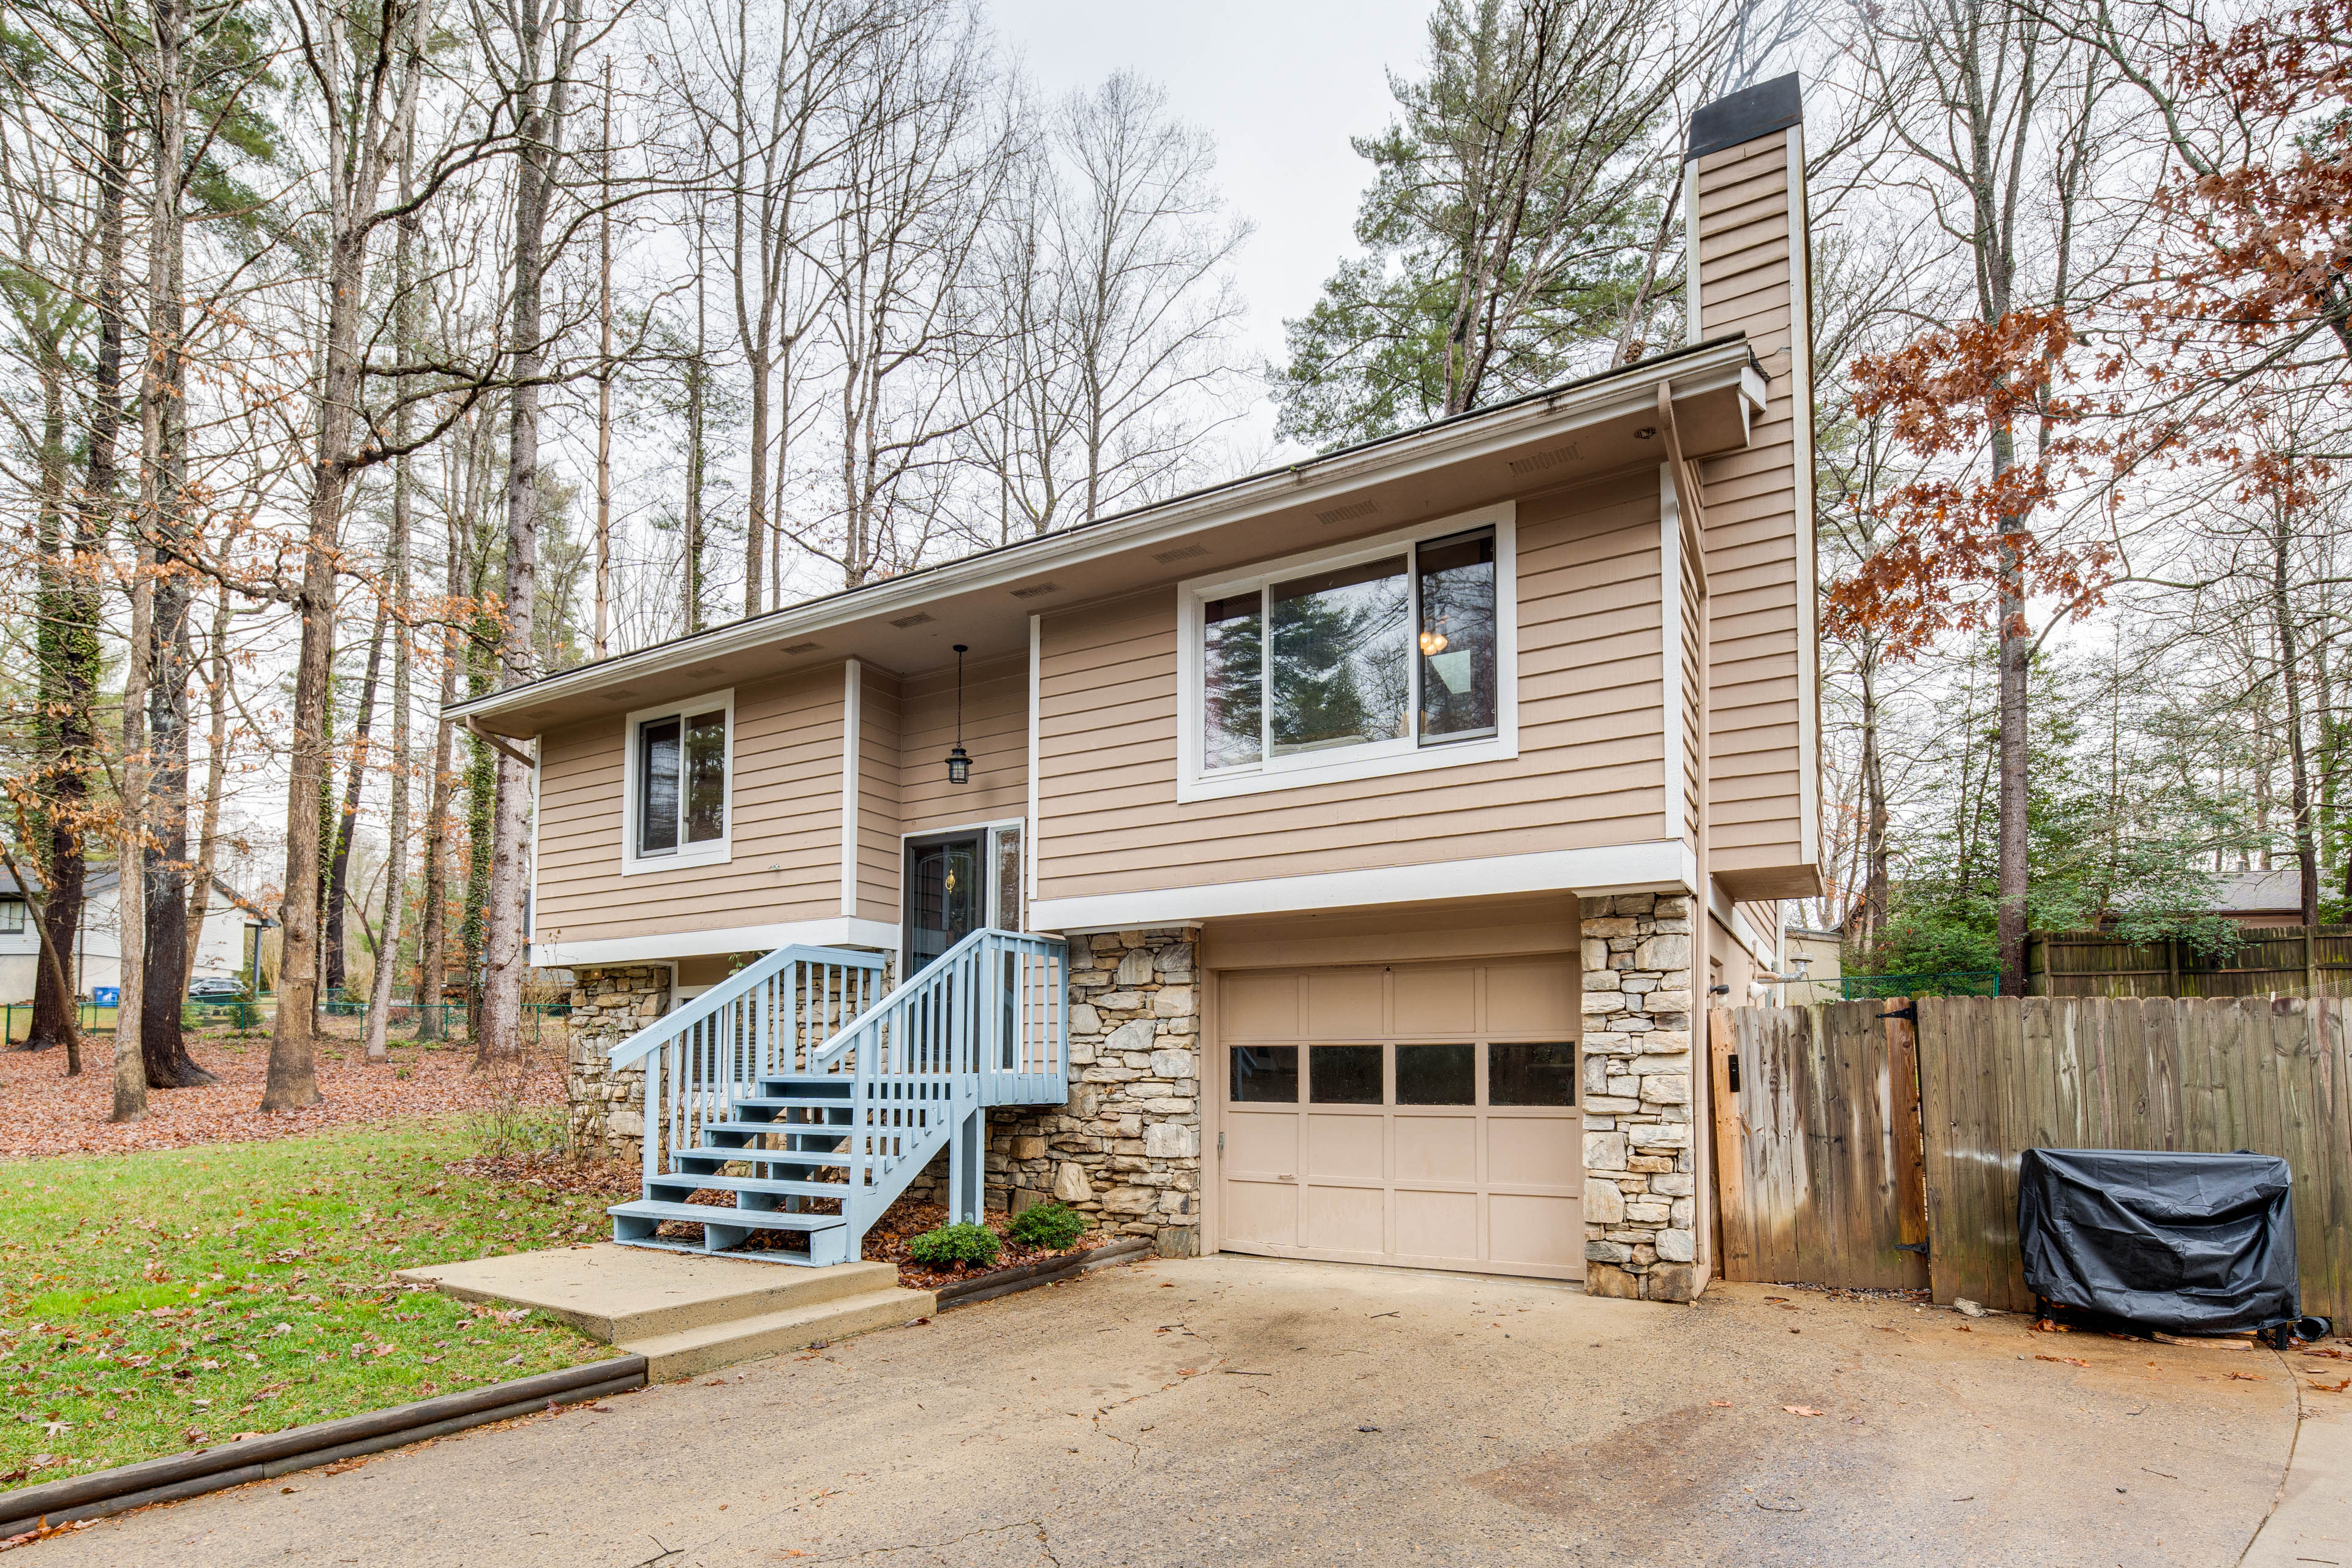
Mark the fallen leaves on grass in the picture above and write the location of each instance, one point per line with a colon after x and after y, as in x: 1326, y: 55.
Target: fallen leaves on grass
x: 42, y: 1111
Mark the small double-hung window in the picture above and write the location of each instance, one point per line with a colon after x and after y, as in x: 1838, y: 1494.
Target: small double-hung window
x: 678, y: 780
x: 1391, y: 656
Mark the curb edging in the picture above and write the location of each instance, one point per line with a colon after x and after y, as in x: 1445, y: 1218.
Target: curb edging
x: 170, y: 1478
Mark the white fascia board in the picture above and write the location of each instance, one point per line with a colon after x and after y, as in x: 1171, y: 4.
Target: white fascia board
x: 1629, y: 393
x: 1662, y: 866
x: 838, y: 933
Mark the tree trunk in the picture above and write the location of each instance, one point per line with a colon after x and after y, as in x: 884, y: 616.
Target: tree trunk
x: 56, y: 1009
x: 199, y: 885
x: 395, y: 863
x: 2307, y: 849
x: 433, y: 941
x: 339, y: 869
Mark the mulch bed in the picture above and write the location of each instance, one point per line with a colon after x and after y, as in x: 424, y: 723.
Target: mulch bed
x: 887, y: 1241
x: 42, y: 1111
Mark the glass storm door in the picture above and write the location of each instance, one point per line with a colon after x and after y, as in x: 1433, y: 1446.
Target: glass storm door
x: 945, y: 898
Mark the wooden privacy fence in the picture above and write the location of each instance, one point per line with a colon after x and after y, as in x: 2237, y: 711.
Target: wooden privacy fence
x: 2268, y: 960
x: 1850, y: 1139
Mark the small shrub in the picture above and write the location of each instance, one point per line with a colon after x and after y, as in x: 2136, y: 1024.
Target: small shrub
x: 951, y: 1245
x: 1048, y: 1228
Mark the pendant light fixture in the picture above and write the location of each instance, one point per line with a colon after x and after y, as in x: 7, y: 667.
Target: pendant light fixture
x: 959, y: 759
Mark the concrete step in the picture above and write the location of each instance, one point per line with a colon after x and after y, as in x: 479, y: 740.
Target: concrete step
x: 617, y: 1293
x: 690, y: 1351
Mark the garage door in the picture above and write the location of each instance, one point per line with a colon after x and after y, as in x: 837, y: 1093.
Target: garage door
x: 1419, y: 1114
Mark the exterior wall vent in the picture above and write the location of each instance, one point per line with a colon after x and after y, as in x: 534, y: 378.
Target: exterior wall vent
x: 1035, y: 589
x: 804, y: 648
x: 919, y: 618
x: 1345, y: 513
x: 1542, y: 461
x: 1181, y: 553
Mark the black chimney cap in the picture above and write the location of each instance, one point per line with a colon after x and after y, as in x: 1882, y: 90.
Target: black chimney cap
x: 1745, y: 115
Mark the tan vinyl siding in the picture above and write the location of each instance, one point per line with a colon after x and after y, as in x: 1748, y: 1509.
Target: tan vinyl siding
x: 995, y: 733
x: 878, y: 796
x: 1590, y: 770
x: 785, y: 796
x: 1750, y: 499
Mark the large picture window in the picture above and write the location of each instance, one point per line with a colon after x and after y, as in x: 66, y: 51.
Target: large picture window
x: 1372, y: 658
x: 678, y: 784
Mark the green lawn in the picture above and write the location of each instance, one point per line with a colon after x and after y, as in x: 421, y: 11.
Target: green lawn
x: 152, y: 1303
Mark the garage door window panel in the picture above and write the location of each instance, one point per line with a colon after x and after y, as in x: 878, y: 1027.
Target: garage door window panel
x: 1265, y: 1075
x: 1344, y: 1074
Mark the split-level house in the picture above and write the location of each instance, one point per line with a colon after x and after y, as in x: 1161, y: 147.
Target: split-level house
x: 1328, y: 864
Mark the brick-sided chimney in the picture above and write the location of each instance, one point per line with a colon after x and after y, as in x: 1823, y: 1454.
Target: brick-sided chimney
x: 1749, y: 270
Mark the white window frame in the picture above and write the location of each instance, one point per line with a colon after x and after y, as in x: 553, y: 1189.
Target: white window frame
x: 710, y: 851
x: 1374, y: 758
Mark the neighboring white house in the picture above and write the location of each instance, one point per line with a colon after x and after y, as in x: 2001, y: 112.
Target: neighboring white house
x: 232, y: 926
x: 20, y: 943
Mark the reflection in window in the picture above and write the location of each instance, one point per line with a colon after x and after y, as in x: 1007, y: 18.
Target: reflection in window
x: 1531, y: 1074
x: 1266, y: 1074
x: 1340, y: 672
x: 658, y: 787
x: 1457, y: 636
x: 706, y: 777
x: 1437, y: 1075
x: 1232, y: 688
x: 1343, y: 1075
x: 681, y: 782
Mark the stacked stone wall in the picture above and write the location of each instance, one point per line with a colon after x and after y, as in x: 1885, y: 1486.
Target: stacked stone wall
x: 1640, y: 1169
x: 1125, y: 1148
x: 606, y: 1107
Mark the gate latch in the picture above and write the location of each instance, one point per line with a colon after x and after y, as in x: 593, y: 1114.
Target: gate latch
x: 1912, y: 1013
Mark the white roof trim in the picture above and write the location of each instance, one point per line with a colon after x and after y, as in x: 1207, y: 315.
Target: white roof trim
x: 1630, y: 391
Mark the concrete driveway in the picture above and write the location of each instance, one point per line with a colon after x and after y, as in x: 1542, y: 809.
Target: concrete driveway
x: 1235, y: 1410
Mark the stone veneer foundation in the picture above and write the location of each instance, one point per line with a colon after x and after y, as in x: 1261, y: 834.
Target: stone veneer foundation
x: 1123, y: 1148
x: 1640, y: 1170
x: 1127, y: 1146
x: 608, y: 1106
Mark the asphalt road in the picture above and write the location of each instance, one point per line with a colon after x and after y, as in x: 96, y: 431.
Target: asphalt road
x: 1235, y: 1410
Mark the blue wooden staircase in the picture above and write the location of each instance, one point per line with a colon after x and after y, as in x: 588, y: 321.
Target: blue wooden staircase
x: 791, y: 1088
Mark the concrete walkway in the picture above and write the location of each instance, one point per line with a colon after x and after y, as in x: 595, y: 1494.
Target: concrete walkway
x: 1232, y: 1410
x: 2313, y: 1522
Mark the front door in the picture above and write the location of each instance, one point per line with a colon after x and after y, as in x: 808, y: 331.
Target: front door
x: 945, y: 895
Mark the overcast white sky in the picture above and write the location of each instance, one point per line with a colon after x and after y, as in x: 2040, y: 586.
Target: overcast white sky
x: 1281, y: 84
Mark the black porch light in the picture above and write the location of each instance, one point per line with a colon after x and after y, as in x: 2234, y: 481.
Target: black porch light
x: 959, y: 760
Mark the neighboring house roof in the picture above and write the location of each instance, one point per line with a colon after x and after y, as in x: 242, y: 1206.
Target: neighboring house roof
x: 12, y: 888
x: 2257, y: 892
x: 105, y: 879
x: 1715, y: 387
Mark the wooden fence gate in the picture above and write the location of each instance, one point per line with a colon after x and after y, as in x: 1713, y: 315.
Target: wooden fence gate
x: 1843, y: 1138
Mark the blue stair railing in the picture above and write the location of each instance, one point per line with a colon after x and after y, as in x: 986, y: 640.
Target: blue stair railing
x: 814, y: 1105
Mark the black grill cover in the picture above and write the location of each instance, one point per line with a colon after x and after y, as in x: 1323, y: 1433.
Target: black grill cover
x: 2187, y: 1243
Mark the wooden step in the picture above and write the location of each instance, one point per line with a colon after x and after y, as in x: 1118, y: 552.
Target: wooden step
x: 710, y: 1214
x: 690, y: 1182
